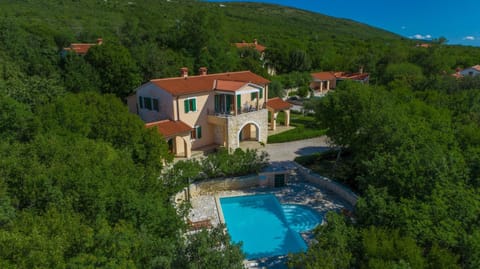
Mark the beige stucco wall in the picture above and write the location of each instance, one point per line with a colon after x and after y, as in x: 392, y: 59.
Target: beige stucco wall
x: 165, y: 103
x: 205, y: 103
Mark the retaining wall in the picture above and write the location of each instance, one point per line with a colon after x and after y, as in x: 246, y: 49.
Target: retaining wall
x: 328, y: 184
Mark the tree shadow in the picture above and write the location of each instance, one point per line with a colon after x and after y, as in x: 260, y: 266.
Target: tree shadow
x: 311, y: 150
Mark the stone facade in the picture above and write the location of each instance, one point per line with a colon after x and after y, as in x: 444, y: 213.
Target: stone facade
x: 236, y: 124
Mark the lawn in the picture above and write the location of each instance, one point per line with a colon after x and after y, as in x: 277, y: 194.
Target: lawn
x: 305, y: 127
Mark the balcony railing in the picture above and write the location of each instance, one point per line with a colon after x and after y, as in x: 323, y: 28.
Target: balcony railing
x: 231, y: 112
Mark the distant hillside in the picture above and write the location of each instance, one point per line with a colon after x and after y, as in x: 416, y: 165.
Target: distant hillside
x: 162, y: 36
x: 274, y: 22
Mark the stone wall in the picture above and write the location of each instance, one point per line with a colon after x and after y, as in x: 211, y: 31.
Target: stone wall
x: 235, y: 124
x: 326, y: 183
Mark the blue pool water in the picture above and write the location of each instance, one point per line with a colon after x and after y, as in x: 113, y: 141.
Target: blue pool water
x: 264, y: 227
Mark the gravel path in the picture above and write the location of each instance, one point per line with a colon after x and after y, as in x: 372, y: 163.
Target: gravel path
x: 289, y: 150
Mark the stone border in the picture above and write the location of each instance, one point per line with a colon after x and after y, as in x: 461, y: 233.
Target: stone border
x: 331, y: 185
x: 266, y: 179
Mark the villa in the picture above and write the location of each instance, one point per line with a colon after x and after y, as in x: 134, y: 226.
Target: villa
x: 81, y: 48
x: 207, y: 110
x: 322, y: 82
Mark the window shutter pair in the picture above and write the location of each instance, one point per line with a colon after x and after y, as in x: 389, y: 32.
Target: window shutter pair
x: 190, y: 105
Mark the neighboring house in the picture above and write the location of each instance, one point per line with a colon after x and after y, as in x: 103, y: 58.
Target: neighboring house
x: 254, y: 45
x: 81, y: 48
x: 358, y: 77
x: 322, y: 82
x: 195, y: 112
x: 470, y: 71
x: 261, y: 50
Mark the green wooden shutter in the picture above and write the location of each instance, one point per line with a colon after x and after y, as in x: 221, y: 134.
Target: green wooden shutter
x: 194, y: 104
x: 239, y: 103
x: 186, y: 105
x: 252, y: 96
x: 229, y: 102
x: 261, y: 93
x: 140, y: 101
x: 199, y: 132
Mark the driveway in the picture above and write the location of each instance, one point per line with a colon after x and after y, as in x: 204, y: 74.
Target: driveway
x: 289, y: 150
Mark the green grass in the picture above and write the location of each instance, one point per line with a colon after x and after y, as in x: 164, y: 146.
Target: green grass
x: 305, y: 127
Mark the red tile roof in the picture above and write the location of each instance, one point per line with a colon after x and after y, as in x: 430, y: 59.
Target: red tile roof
x: 82, y: 48
x: 203, y: 83
x: 255, y: 45
x: 169, y: 128
x: 352, y: 76
x: 79, y: 48
x: 278, y: 104
x: 231, y: 86
x: 323, y: 76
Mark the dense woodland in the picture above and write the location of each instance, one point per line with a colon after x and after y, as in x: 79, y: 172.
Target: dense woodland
x: 84, y: 184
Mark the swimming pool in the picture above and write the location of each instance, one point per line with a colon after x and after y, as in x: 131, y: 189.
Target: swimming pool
x: 264, y: 227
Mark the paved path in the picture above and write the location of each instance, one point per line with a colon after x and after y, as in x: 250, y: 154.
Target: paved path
x: 289, y: 150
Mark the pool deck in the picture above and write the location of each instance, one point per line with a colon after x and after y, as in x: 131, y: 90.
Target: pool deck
x: 296, y: 191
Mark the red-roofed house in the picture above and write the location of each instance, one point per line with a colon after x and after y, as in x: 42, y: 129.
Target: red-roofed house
x: 193, y: 112
x: 81, y: 48
x: 322, y: 82
x: 254, y: 45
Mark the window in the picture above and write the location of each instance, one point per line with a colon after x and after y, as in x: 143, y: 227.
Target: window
x: 155, y: 104
x: 196, y: 132
x: 190, y: 104
x: 140, y: 101
x: 254, y: 95
x: 147, y: 102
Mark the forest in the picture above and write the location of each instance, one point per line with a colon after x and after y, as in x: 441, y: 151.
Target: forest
x: 84, y: 184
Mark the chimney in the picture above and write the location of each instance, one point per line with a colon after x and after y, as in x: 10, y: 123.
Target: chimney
x: 184, y: 72
x: 99, y: 41
x: 361, y: 70
x: 255, y: 41
x: 243, y: 41
x: 203, y: 71
x: 457, y: 71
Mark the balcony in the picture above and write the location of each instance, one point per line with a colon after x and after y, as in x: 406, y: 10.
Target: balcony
x: 231, y: 112
x: 221, y: 117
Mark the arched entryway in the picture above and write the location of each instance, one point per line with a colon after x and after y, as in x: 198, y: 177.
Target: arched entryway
x: 178, y: 146
x: 250, y: 131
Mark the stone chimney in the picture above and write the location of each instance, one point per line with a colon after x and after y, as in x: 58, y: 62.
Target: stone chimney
x: 184, y: 72
x: 255, y: 41
x: 99, y: 41
x: 360, y: 70
x: 202, y: 71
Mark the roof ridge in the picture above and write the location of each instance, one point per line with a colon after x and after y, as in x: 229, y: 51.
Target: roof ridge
x: 208, y: 75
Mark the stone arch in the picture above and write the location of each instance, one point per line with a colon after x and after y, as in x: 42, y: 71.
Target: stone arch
x: 242, y: 132
x: 179, y: 146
